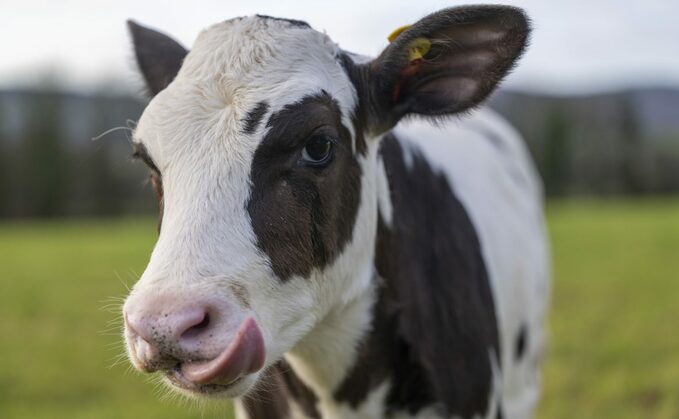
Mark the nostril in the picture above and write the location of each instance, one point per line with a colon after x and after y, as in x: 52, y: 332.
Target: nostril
x: 198, y: 328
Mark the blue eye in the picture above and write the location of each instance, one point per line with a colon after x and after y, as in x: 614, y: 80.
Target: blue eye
x: 318, y: 150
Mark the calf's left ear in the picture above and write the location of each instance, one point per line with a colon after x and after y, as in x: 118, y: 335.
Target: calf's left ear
x: 445, y: 63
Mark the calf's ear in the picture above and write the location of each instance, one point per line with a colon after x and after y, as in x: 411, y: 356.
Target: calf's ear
x: 445, y: 63
x: 159, y: 57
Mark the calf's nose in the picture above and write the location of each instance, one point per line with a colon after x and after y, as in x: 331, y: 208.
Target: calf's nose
x: 196, y: 340
x: 168, y: 332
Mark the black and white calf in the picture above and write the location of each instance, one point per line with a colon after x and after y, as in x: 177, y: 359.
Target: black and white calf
x: 332, y: 243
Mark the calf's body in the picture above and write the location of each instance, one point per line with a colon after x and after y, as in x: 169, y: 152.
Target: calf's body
x: 460, y: 290
x: 326, y: 249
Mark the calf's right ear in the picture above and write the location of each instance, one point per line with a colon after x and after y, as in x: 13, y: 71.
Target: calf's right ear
x: 159, y: 57
x: 445, y: 63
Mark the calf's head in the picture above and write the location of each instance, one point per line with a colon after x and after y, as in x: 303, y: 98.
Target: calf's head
x: 262, y: 145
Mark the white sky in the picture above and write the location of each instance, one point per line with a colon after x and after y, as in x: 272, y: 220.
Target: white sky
x: 578, y: 45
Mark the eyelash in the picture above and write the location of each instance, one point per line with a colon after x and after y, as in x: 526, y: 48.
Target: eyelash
x: 141, y: 154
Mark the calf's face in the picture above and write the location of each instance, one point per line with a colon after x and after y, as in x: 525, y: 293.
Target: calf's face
x: 252, y: 153
x: 262, y: 146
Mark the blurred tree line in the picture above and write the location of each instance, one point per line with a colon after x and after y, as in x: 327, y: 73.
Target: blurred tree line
x: 51, y: 166
x: 611, y: 144
x: 624, y: 143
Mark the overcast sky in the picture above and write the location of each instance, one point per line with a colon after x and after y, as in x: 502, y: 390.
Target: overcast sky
x: 577, y: 46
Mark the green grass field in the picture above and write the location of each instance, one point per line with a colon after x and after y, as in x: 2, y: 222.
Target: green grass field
x: 614, y: 347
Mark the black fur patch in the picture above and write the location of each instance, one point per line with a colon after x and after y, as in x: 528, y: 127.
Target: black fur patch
x: 302, y: 215
x: 434, y: 328
x: 271, y: 400
x: 298, y: 391
x: 254, y: 117
x: 500, y: 415
x: 384, y: 354
x: 521, y: 342
x: 293, y: 22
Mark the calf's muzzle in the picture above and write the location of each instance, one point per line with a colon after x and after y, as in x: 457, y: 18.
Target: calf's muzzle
x: 193, y: 340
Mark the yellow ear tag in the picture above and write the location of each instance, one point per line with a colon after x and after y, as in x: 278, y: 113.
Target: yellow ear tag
x: 396, y: 32
x: 418, y: 47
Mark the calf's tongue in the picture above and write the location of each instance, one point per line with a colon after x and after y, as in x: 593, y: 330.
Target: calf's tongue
x: 244, y: 355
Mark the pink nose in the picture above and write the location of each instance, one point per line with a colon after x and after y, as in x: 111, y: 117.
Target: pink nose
x: 194, y: 343
x: 170, y: 333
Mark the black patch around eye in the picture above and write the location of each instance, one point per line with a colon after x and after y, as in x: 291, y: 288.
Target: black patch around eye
x: 254, y: 117
x: 302, y: 219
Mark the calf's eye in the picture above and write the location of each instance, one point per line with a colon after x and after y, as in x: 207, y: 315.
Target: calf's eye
x: 318, y: 150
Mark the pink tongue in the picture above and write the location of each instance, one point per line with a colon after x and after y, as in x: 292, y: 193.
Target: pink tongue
x: 244, y: 355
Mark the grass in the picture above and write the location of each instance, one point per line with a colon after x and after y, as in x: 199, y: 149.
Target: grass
x: 614, y: 349
x: 59, y: 343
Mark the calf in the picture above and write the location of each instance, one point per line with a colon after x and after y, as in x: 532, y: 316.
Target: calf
x: 331, y: 243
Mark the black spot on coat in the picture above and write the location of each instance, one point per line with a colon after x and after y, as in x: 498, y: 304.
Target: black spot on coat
x: 254, y: 117
x: 434, y: 329
x: 271, y: 400
x: 521, y: 342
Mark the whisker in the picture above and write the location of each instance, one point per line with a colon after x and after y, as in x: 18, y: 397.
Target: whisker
x: 105, y: 133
